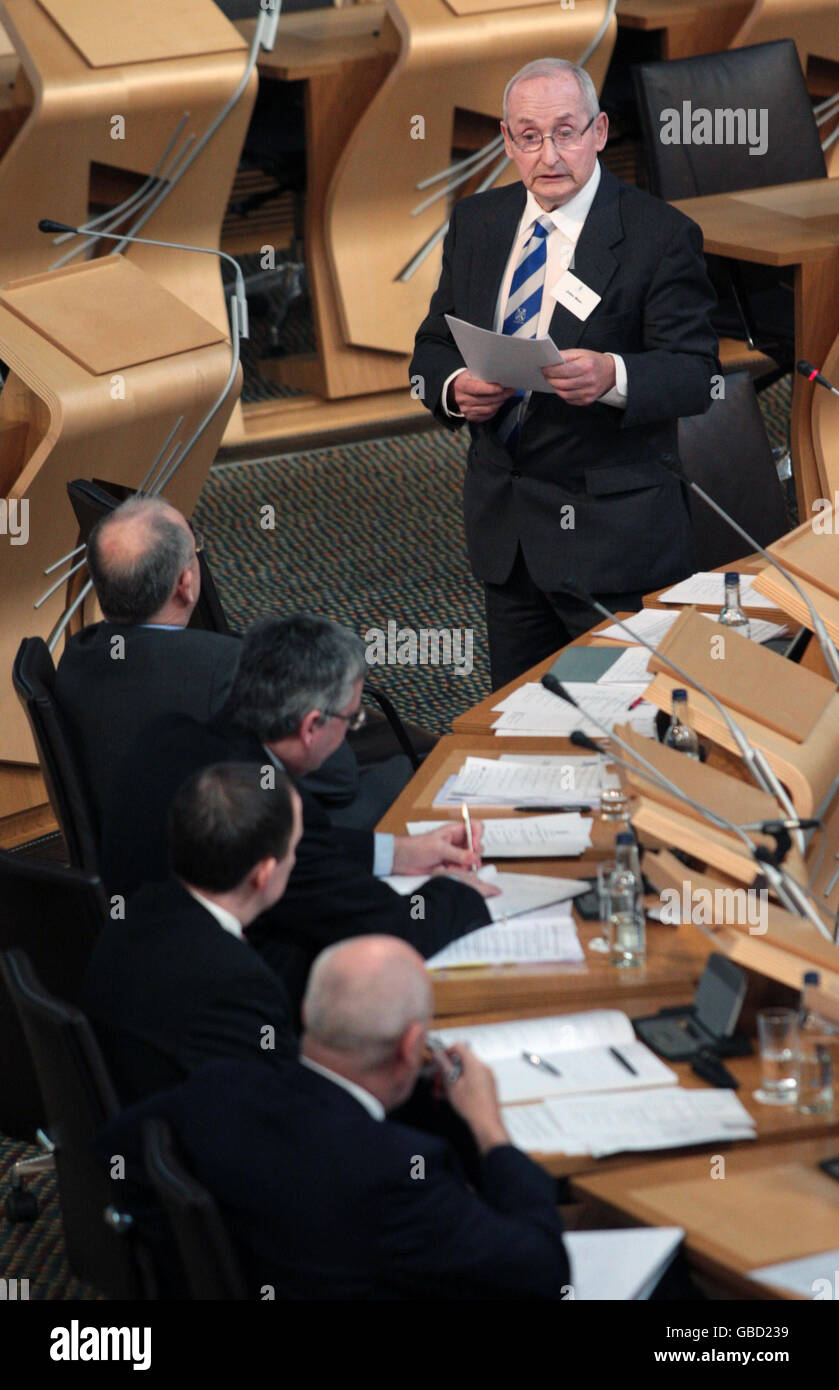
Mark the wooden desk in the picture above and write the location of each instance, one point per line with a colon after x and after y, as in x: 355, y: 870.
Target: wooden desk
x: 773, y: 1204
x: 316, y: 42
x: 793, y: 224
x: 675, y: 956
x: 687, y: 26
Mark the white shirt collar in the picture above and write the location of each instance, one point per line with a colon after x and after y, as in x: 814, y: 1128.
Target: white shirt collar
x: 223, y: 917
x: 371, y: 1104
x: 569, y: 218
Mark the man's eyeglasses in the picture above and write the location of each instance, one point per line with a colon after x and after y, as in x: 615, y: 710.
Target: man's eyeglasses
x: 564, y: 138
x: 355, y: 721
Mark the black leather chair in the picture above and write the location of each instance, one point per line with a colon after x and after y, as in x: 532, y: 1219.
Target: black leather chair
x: 33, y: 675
x: 54, y: 914
x: 754, y: 302
x: 209, y: 1259
x: 78, y: 1098
x: 727, y: 452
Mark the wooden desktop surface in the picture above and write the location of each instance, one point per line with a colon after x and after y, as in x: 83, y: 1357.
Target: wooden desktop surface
x: 785, y: 224
x: 310, y: 43
x: 773, y: 1204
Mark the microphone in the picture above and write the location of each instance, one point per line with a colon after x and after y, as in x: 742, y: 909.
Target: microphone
x: 238, y: 329
x: 794, y: 896
x: 827, y: 646
x: 813, y: 374
x: 762, y: 774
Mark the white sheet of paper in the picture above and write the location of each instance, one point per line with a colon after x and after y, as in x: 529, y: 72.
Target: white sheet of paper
x: 515, y: 362
x: 799, y: 1276
x: 652, y: 624
x: 533, y: 711
x: 612, y: 1266
x: 629, y: 1121
x: 630, y: 668
x: 507, y: 783
x: 520, y: 893
x: 541, y: 837
x: 514, y: 943
x: 589, y: 1070
x: 708, y: 586
x: 553, y: 1033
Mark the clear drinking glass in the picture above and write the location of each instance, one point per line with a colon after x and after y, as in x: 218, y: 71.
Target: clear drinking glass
x: 777, y: 1031
x: 614, y: 801
x: 814, y: 1072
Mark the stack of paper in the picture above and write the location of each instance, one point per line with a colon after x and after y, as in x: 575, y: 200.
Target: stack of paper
x: 528, y: 940
x: 810, y: 1275
x: 519, y: 892
x: 708, y: 587
x: 537, y: 837
x: 595, y: 1051
x: 532, y: 711
x: 599, y: 1125
x: 653, y: 624
x: 617, y: 1265
x: 526, y: 781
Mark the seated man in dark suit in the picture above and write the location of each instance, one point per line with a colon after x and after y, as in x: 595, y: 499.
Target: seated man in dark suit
x: 143, y: 661
x: 175, y: 982
x: 296, y: 690
x: 326, y: 1197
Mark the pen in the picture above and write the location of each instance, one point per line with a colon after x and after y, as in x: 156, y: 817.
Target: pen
x: 636, y: 703
x: 544, y: 810
x: 445, y: 1059
x: 619, y: 1057
x: 464, y: 811
x: 536, y: 1061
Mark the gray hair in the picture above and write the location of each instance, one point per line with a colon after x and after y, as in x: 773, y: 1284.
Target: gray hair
x: 363, y: 994
x: 556, y: 67
x: 132, y: 587
x: 287, y: 668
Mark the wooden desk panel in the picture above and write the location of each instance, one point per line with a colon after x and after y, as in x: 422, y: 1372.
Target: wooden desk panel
x: 773, y: 1204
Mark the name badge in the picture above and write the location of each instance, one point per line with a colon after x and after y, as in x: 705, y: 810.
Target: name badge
x: 571, y: 293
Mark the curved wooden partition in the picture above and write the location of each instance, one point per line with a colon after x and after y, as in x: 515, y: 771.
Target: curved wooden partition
x: 824, y: 423
x: 97, y: 91
x: 812, y: 25
x: 454, y: 61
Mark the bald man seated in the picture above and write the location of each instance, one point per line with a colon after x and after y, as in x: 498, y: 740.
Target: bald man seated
x: 325, y: 1196
x: 144, y: 661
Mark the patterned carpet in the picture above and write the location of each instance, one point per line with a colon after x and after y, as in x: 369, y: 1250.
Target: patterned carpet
x: 367, y: 533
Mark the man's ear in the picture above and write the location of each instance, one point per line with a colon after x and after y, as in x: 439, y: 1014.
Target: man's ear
x: 262, y: 873
x: 309, y: 725
x: 185, y: 587
x: 410, y: 1047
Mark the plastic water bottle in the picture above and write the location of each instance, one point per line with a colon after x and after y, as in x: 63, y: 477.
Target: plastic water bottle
x: 680, y: 735
x: 817, y: 1040
x: 732, y: 613
x: 628, y: 945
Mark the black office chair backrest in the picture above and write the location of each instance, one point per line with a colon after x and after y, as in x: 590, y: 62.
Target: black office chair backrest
x: 765, y: 77
x: 209, y: 1259
x: 54, y: 914
x: 33, y: 675
x: 726, y: 451
x: 92, y: 500
x: 78, y: 1098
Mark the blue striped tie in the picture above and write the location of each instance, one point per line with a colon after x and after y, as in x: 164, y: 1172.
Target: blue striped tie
x: 521, y: 316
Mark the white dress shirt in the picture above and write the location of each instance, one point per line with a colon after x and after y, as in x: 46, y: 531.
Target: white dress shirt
x: 371, y: 1104
x: 560, y: 246
x: 223, y: 917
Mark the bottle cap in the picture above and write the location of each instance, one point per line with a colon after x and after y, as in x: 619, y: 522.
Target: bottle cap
x: 811, y: 977
x: 625, y: 837
x: 731, y: 577
x: 679, y: 696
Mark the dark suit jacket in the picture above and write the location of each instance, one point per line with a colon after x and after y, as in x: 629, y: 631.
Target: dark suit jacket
x: 169, y: 988
x: 631, y: 526
x: 328, y: 1203
x: 107, y: 700
x: 331, y: 893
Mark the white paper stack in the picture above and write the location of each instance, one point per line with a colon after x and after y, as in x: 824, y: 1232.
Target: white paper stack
x: 536, y: 837
x: 519, y: 892
x: 708, y: 587
x: 533, y: 712
x: 653, y: 624
x: 521, y: 781
x: 608, y: 1266
x: 599, y: 1125
x: 528, y: 940
x: 810, y: 1275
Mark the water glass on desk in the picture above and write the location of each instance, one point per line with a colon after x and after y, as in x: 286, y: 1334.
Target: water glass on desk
x: 777, y: 1031
x: 614, y: 801
x: 814, y: 1071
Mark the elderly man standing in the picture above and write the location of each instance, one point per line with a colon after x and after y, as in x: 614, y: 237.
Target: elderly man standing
x: 328, y: 1197
x: 570, y: 487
